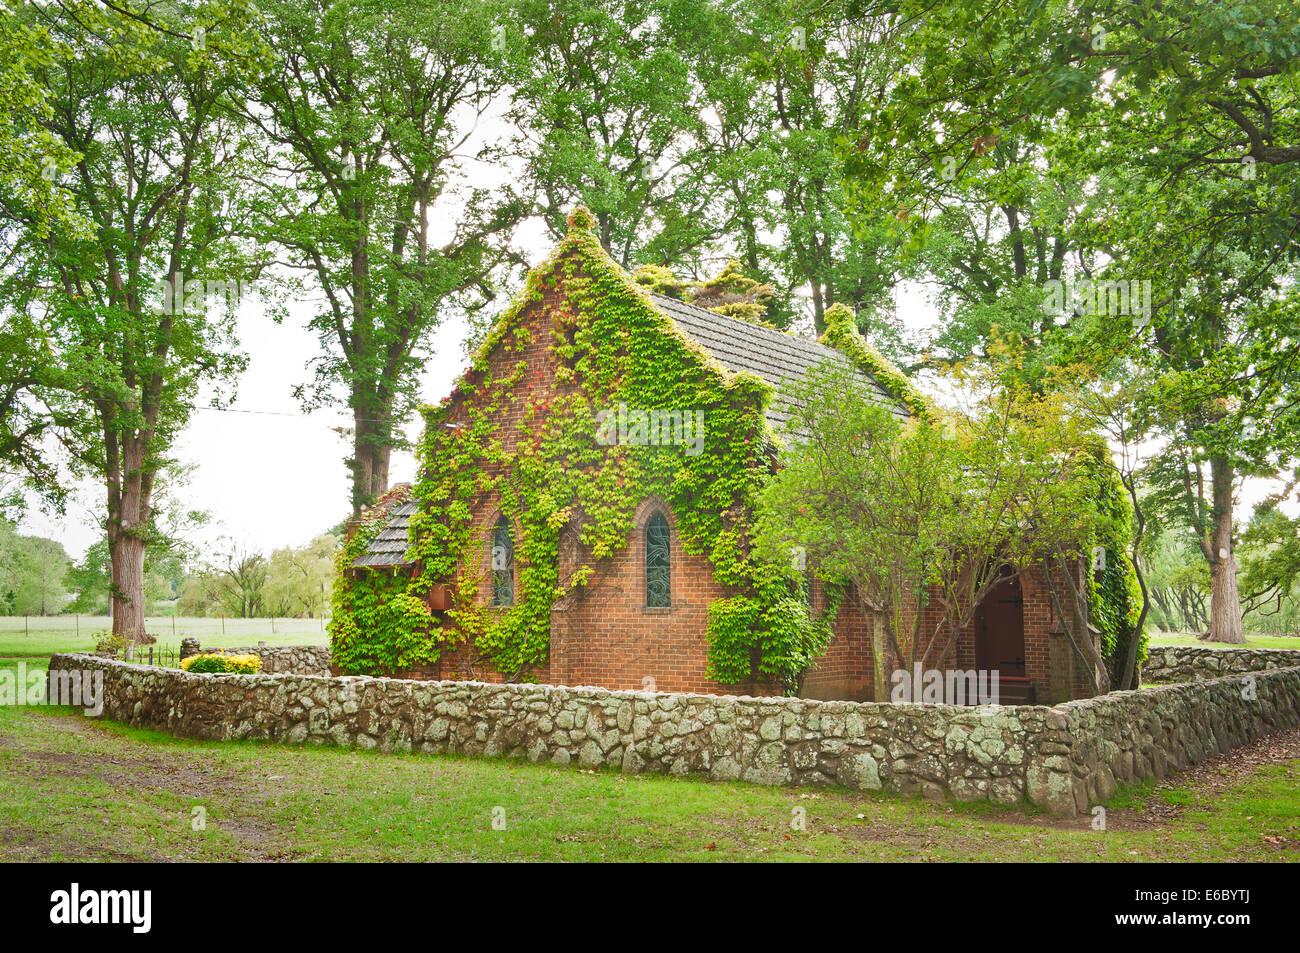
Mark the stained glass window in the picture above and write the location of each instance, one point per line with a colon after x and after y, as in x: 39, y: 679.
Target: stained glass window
x: 658, y: 572
x: 503, y: 564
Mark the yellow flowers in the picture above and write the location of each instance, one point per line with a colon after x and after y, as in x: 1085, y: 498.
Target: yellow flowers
x: 213, y: 663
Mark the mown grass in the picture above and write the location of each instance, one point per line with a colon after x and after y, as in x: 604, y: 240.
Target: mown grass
x: 1252, y: 641
x: 42, y: 635
x: 74, y: 788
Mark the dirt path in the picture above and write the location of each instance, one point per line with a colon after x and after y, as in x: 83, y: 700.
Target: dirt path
x: 140, y: 775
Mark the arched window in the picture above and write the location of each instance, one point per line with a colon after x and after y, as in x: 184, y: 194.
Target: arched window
x: 503, y: 563
x: 658, y: 569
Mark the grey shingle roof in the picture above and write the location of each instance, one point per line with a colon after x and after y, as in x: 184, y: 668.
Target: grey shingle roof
x: 388, y: 549
x: 778, y: 358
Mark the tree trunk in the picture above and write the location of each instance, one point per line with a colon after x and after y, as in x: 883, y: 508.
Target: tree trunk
x: 1129, y: 677
x: 130, y: 491
x: 880, y: 690
x: 1225, y: 602
x: 127, y: 555
x: 371, y: 452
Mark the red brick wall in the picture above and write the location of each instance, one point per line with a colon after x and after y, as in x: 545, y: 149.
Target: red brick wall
x: 605, y: 635
x: 844, y: 670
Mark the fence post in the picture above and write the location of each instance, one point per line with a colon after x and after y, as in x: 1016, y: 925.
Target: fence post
x: 151, y: 655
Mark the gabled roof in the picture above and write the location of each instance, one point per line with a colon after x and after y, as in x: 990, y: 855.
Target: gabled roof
x: 778, y: 358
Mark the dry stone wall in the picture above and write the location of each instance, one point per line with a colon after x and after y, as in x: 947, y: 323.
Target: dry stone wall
x: 1192, y: 663
x: 1060, y: 758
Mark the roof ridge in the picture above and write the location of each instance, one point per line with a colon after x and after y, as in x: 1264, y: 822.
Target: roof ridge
x: 740, y: 323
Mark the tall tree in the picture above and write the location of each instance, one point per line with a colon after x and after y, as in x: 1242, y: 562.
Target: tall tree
x: 122, y: 311
x: 300, y: 578
x: 369, y: 106
x: 32, y: 571
x: 788, y: 89
x: 609, y: 116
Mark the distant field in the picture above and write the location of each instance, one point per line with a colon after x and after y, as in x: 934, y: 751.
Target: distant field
x: 42, y: 635
x: 1252, y: 641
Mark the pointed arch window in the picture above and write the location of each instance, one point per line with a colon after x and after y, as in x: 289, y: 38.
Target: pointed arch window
x: 503, y: 563
x: 658, y: 565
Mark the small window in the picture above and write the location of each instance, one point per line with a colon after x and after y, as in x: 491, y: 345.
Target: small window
x: 503, y: 564
x: 658, y: 569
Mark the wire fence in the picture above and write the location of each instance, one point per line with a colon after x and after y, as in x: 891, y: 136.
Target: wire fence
x: 160, y: 655
x: 25, y: 635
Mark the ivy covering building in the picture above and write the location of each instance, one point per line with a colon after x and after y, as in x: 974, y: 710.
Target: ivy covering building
x: 584, y: 502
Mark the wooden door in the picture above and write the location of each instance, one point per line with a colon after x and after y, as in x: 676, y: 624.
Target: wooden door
x: 1000, y: 631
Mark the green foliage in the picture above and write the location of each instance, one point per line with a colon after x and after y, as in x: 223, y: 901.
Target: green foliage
x: 299, y: 578
x: 776, y: 641
x: 735, y: 294
x: 613, y: 347
x: 660, y: 280
x: 1128, y: 142
x: 370, y: 103
x: 233, y: 583
x: 842, y: 334
x: 1270, y: 575
x: 610, y: 111
x: 127, y: 316
x: 32, y: 572
x: 375, y: 625
x: 110, y: 643
x: 929, y: 512
x: 1114, y: 596
x: 295, y: 582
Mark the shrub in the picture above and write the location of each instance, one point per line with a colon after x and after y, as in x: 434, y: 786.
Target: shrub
x: 212, y: 664
x: 109, y: 643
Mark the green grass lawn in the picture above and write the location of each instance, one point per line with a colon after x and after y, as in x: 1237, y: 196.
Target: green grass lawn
x: 1252, y: 641
x: 74, y: 788
x: 41, y: 635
